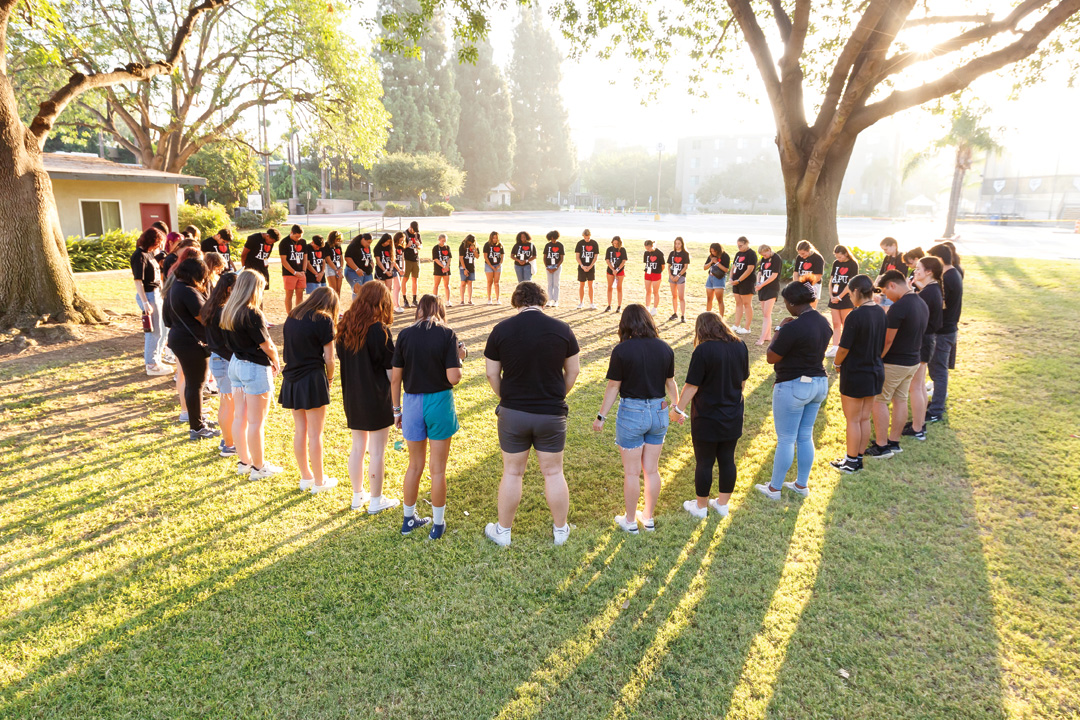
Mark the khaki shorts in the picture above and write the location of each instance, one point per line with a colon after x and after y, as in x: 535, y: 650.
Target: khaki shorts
x: 897, y: 383
x: 412, y: 269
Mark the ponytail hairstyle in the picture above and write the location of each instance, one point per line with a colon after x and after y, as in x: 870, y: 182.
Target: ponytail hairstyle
x: 943, y: 253
x: 807, y: 246
x: 862, y: 286
x: 841, y: 250
x: 430, y: 311
x: 933, y: 266
x: 317, y: 240
x: 247, y: 293
x: 797, y: 294
x: 955, y: 255
x: 218, y: 296
x: 710, y: 326
x: 914, y: 255
x: 333, y: 239
x: 553, y: 236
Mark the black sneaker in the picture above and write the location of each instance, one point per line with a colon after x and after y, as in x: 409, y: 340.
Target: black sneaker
x: 618, y: 309
x: 934, y: 418
x: 404, y: 301
x: 895, y: 446
x: 414, y: 300
x: 411, y: 523
x: 682, y: 319
x: 879, y: 451
x: 908, y: 431
x: 674, y: 316
x: 607, y: 309
x: 203, y: 434
x: 847, y: 465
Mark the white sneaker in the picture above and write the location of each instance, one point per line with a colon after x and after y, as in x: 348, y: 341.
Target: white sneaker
x: 652, y: 311
x: 831, y: 352
x: 306, y: 484
x: 805, y: 492
x: 449, y: 304
x: 491, y: 532
x: 592, y: 306
x: 561, y: 535
x: 266, y: 471
x: 765, y: 490
x: 488, y: 301
x: 722, y: 510
x: 398, y: 308
x: 630, y: 527
x: 156, y: 370
x: 498, y: 302
x: 184, y: 417
x: 691, y: 507
x: 327, y: 485
x: 555, y: 304
x: 242, y: 468
x: 581, y: 306
x: 360, y: 499
x: 383, y: 504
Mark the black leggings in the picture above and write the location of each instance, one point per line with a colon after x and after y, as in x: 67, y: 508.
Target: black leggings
x: 192, y: 359
x: 706, y: 453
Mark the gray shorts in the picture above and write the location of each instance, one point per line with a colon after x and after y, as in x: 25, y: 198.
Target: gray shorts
x: 519, y: 431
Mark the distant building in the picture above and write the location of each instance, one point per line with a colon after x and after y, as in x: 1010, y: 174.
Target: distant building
x: 500, y: 194
x: 1027, y: 188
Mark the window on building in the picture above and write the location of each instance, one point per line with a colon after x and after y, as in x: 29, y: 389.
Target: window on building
x: 693, y: 198
x: 100, y: 216
x: 693, y: 180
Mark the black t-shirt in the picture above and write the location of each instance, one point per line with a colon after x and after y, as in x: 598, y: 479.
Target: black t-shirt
x: 931, y: 295
x: 259, y: 250
x: 181, y: 314
x: 245, y: 338
x: 399, y: 257
x: 952, y: 286
x: 678, y: 261
x: 215, y: 336
x: 383, y: 257
x: 494, y: 253
x: 365, y: 387
x: 654, y: 260
x: 523, y: 252
x: 864, y: 338
x: 770, y: 266
x: 468, y: 256
x: 553, y: 254
x: 802, y: 344
x: 304, y: 339
x: 617, y: 257
x: 716, y: 269
x: 908, y: 316
x: 842, y: 272
x: 315, y: 256
x: 588, y: 250
x: 812, y: 265
x: 744, y: 260
x: 168, y: 262
x: 360, y: 257
x: 643, y: 366
x: 293, y: 250
x: 718, y: 369
x: 441, y: 252
x: 425, y: 352
x: 412, y: 246
x: 144, y: 267
x: 893, y: 262
x: 532, y: 348
x: 221, y: 247
x: 334, y: 255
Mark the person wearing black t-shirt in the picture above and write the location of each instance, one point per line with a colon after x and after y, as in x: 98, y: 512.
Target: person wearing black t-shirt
x: 713, y: 392
x: 427, y: 366
x: 809, y: 268
x: 678, y: 264
x: 743, y: 271
x: 187, y: 338
x: 467, y: 253
x: 335, y: 261
x: 493, y: 259
x: 308, y: 344
x: 862, y: 374
x: 147, y: 275
x: 523, y: 253
x: 641, y: 371
x: 292, y: 250
x: 220, y: 243
x: 944, y: 357
x: 927, y: 281
x: 398, y: 286
x: 716, y: 265
x: 843, y: 269
x: 359, y: 262
x: 587, y: 252
x: 532, y: 362
x: 908, y: 316
x: 797, y: 353
x: 615, y: 258
x: 220, y: 355
x: 413, y: 243
x: 770, y: 268
x: 554, y: 255
x: 314, y: 265
x: 442, y: 259
x: 893, y: 260
x: 654, y: 261
x: 384, y: 256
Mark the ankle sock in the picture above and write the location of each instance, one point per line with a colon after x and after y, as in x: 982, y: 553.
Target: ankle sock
x: 375, y: 500
x: 409, y: 510
x: 437, y: 515
x: 501, y: 530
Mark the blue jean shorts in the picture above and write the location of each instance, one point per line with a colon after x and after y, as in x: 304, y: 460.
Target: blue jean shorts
x: 354, y: 278
x: 428, y: 416
x: 680, y: 280
x: 640, y: 422
x: 489, y: 271
x: 250, y: 378
x: 219, y: 368
x: 312, y: 287
x: 466, y: 276
x: 714, y: 283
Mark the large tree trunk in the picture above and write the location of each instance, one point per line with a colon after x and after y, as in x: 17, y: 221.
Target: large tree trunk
x: 959, y: 171
x: 36, y: 282
x: 811, y: 214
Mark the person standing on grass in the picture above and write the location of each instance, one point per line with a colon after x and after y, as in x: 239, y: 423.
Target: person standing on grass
x: 315, y: 265
x: 251, y: 372
x: 220, y: 355
x: 523, y: 252
x: 927, y: 281
x: 908, y: 317
x: 843, y: 269
x: 442, y: 259
x: 220, y: 243
x: 305, y: 382
x: 719, y: 368
x: 148, y: 296
x: 862, y: 374
x: 770, y: 268
x: 716, y: 265
x: 399, y: 269
x: 187, y: 338
x: 427, y: 364
x: 365, y: 350
x: 615, y: 257
x: 743, y: 271
x: 893, y: 260
x: 809, y: 269
x: 654, y: 262
x: 359, y: 262
x: 335, y: 261
x: 798, y: 355
x: 413, y: 243
x: 532, y: 362
x: 554, y: 255
x: 944, y: 357
x: 586, y: 252
x: 291, y: 251
x: 467, y: 260
x: 493, y: 258
x: 641, y: 372
x: 678, y: 263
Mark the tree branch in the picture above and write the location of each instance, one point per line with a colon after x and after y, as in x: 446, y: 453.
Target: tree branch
x: 947, y: 20
x: 852, y: 49
x: 783, y: 21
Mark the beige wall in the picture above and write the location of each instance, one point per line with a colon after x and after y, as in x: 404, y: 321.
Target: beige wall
x: 68, y: 193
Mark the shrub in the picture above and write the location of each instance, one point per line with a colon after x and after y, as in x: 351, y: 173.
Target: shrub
x: 365, y: 206
x: 209, y: 219
x: 111, y: 251
x: 440, y: 209
x: 276, y: 214
x: 376, y: 206
x: 248, y: 220
x: 395, y: 210
x: 869, y: 260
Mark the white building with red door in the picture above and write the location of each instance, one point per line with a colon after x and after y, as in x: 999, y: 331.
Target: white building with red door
x: 94, y: 196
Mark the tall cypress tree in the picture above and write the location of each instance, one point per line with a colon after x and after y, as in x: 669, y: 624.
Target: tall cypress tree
x: 544, y: 160
x: 485, y: 134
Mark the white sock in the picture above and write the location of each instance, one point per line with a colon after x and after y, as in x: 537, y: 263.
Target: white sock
x: 564, y: 528
x: 437, y: 514
x: 375, y: 500
x: 409, y: 510
x: 501, y: 530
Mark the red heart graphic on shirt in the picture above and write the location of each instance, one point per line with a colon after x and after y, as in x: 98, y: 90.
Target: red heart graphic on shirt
x: 298, y: 248
x: 267, y: 248
x: 843, y: 271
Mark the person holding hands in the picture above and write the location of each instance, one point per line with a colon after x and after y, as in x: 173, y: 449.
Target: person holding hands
x: 586, y: 252
x: 615, y: 257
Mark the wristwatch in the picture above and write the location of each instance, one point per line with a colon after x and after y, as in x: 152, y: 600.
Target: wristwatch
x: 600, y: 417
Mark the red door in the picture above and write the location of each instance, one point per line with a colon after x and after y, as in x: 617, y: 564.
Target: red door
x: 152, y: 212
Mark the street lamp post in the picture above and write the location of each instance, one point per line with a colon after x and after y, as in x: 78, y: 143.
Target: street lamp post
x: 659, y: 173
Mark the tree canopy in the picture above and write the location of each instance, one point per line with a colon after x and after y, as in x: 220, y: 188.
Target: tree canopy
x: 630, y: 175
x: 485, y: 133
x: 751, y: 182
x: 230, y: 171
x: 412, y: 175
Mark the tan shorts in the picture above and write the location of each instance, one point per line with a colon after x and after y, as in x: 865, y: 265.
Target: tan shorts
x: 294, y: 282
x: 897, y: 383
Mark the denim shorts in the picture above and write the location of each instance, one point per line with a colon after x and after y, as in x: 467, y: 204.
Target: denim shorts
x: 640, y: 422
x: 714, y: 283
x: 428, y: 416
x: 680, y: 280
x: 312, y: 287
x: 489, y: 271
x: 219, y: 368
x: 250, y: 378
x: 466, y: 276
x: 354, y: 278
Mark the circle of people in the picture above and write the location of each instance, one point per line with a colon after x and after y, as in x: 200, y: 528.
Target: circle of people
x: 888, y: 334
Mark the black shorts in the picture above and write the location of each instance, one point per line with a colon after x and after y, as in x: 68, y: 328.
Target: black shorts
x: 586, y: 275
x: 744, y: 288
x: 843, y: 304
x: 861, y: 383
x: 929, y: 341
x: 519, y: 431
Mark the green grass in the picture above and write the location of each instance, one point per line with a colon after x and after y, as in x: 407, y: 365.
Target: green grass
x: 141, y: 578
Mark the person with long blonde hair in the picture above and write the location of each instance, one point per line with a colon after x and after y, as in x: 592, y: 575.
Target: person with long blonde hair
x: 365, y: 350
x: 252, y: 370
x: 305, y: 382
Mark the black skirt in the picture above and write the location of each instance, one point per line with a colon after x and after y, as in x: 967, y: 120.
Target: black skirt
x: 307, y: 392
x: 861, y: 383
x: 844, y: 304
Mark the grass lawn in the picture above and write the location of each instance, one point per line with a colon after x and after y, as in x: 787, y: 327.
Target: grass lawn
x: 140, y: 577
